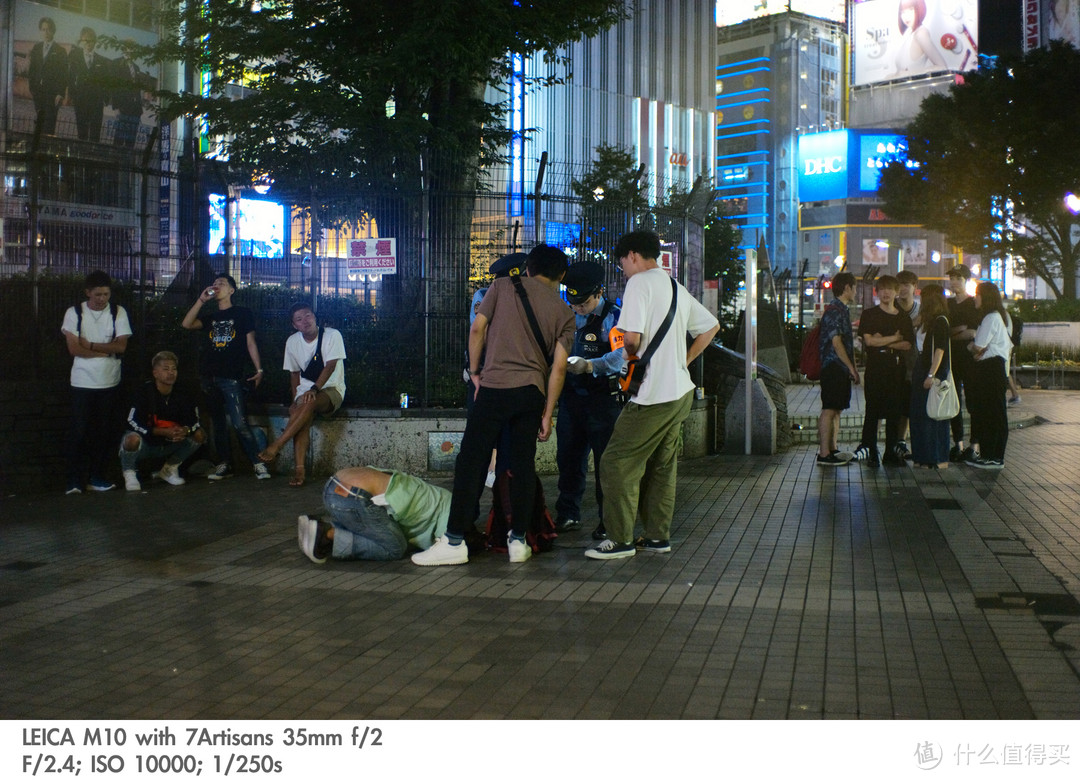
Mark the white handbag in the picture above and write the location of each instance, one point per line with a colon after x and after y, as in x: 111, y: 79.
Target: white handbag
x: 942, y: 402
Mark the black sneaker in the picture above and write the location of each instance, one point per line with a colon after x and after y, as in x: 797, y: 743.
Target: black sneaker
x: 600, y: 534
x: 566, y: 524
x: 831, y: 460
x: 901, y: 451
x: 987, y: 463
x: 608, y: 549
x: 970, y: 455
x: 862, y: 452
x: 219, y: 472
x: 892, y: 458
x: 956, y: 455
x: 652, y: 545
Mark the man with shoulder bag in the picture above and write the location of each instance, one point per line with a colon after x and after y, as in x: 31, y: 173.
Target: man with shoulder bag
x: 639, y: 466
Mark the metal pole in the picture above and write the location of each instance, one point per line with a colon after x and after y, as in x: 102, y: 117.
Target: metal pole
x: 537, y: 188
x: 750, y: 326
x: 425, y: 237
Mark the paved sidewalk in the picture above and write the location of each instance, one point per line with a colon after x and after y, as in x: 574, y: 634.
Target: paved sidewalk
x: 792, y: 592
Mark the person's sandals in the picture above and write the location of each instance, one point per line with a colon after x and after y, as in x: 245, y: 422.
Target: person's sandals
x: 297, y: 478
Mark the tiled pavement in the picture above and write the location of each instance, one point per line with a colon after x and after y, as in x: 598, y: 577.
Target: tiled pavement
x: 792, y: 592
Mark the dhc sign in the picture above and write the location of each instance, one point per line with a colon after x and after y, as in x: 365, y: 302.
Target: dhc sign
x: 845, y: 163
x: 823, y: 165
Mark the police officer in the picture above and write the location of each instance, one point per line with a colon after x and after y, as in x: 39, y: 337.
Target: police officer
x: 588, y: 406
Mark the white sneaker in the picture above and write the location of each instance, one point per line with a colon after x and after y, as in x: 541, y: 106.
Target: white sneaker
x: 170, y: 474
x: 442, y: 553
x: 131, y: 481
x: 520, y: 551
x: 261, y: 472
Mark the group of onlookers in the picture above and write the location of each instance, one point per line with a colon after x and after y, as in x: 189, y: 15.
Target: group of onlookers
x: 163, y: 421
x: 911, y: 343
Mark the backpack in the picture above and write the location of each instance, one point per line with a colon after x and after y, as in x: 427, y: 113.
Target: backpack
x: 541, y: 533
x: 810, y: 357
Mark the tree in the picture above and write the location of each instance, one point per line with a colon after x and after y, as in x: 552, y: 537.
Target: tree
x: 989, y: 163
x: 348, y: 94
x: 610, y: 193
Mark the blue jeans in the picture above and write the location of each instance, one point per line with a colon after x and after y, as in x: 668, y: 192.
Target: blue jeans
x: 362, y: 530
x: 225, y: 402
x: 173, y: 453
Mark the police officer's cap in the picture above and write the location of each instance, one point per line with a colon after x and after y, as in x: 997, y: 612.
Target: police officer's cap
x: 583, y: 280
x: 509, y: 264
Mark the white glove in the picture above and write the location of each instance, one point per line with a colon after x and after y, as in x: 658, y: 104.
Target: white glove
x: 577, y: 365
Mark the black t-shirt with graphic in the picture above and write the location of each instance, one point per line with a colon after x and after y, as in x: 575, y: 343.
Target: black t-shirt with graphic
x: 225, y: 351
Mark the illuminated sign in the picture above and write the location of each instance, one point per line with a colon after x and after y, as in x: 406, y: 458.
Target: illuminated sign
x: 823, y: 165
x: 845, y: 163
x: 875, y: 152
x: 898, y: 39
x: 260, y: 227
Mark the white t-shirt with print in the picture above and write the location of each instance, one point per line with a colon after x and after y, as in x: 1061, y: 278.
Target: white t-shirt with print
x: 645, y: 304
x: 299, y: 352
x: 99, y: 373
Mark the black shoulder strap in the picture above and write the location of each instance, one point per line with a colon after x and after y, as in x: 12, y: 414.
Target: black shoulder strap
x: 78, y: 317
x: 537, y: 333
x: 664, y: 326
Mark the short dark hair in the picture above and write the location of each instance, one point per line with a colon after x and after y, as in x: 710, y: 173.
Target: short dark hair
x: 47, y: 21
x: 229, y: 279
x: 841, y: 282
x: 547, y: 261
x: 644, y: 242
x: 887, y: 282
x: 97, y: 279
x: 300, y: 306
x: 907, y: 277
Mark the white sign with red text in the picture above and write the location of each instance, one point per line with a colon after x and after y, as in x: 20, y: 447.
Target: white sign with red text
x: 373, y: 255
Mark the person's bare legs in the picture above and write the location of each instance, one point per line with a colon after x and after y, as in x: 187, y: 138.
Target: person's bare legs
x: 300, y: 419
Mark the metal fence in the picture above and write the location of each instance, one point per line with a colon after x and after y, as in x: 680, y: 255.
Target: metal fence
x: 69, y: 208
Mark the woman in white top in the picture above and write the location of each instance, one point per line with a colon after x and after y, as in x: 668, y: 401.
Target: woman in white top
x: 992, y: 346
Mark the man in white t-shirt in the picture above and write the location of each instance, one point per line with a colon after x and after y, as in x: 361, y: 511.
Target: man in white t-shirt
x: 96, y: 333
x: 641, y: 458
x: 315, y: 360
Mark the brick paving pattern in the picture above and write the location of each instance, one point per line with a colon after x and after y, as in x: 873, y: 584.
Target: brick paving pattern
x: 792, y: 592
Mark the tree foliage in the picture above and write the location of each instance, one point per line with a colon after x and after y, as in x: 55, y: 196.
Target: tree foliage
x: 989, y: 163
x: 348, y: 92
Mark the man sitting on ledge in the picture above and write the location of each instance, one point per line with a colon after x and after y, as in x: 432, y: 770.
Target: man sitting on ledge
x: 315, y: 360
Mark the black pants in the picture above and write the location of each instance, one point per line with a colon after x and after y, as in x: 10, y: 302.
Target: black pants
x: 986, y: 402
x: 94, y: 436
x: 963, y: 369
x: 519, y: 408
x: 585, y: 424
x: 887, y: 398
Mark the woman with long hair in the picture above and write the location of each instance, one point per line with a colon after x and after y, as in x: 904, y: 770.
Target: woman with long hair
x: 992, y: 347
x: 930, y: 438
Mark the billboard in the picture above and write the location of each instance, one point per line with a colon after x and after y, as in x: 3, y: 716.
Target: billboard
x: 735, y: 11
x: 823, y: 165
x: 260, y: 227
x: 845, y: 163
x: 897, y: 39
x: 1061, y: 20
x: 67, y: 77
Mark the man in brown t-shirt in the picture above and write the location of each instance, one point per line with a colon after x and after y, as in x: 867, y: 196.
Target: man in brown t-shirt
x: 518, y: 386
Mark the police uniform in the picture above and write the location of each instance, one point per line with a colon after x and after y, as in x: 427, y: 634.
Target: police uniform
x: 588, y: 406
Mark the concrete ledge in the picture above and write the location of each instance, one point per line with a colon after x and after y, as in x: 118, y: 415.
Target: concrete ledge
x: 423, y: 442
